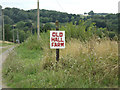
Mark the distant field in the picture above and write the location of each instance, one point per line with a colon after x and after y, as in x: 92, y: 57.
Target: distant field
x: 5, y: 43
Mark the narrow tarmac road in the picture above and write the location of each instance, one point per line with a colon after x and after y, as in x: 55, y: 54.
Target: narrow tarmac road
x: 3, y: 57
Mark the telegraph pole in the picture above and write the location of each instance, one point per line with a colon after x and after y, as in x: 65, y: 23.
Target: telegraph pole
x: 18, y: 37
x: 3, y: 26
x: 38, y: 20
x: 0, y: 22
x: 13, y: 35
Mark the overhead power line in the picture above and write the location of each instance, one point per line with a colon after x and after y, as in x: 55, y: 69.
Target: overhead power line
x: 60, y: 5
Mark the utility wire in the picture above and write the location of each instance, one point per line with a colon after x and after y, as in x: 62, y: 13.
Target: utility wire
x: 60, y: 5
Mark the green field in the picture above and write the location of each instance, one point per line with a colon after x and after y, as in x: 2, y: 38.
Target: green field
x: 5, y: 46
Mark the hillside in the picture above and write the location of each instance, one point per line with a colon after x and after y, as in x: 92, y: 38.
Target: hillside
x: 25, y: 22
x: 14, y: 15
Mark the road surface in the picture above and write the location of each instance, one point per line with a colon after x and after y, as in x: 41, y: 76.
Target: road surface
x: 3, y: 57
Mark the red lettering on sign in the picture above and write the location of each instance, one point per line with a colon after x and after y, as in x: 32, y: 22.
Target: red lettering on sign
x: 52, y: 39
x: 58, y: 44
x: 62, y: 44
x: 53, y: 34
x: 62, y: 40
x: 55, y: 44
x: 52, y: 44
x: 61, y: 34
x: 57, y: 34
x: 57, y: 40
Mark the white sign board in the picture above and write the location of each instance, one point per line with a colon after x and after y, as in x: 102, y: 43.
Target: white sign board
x: 57, y: 39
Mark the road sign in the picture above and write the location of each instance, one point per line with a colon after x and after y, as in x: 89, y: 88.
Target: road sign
x: 57, y: 39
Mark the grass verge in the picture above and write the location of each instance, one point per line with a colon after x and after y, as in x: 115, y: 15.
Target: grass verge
x: 5, y: 46
x: 82, y: 65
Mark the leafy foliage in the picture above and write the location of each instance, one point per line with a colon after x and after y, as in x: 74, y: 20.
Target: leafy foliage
x: 25, y: 21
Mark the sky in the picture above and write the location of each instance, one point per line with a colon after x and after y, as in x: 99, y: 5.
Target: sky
x: 69, y: 6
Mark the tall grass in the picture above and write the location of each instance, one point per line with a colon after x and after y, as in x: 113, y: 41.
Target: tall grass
x: 88, y: 61
x: 90, y: 64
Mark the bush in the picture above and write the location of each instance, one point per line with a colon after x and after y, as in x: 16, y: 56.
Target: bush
x: 79, y: 31
x: 111, y: 34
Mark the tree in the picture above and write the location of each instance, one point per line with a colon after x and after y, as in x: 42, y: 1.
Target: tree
x: 8, y: 20
x: 91, y: 13
x: 8, y: 34
x: 85, y: 13
x: 20, y: 25
x: 28, y: 24
x: 47, y: 26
